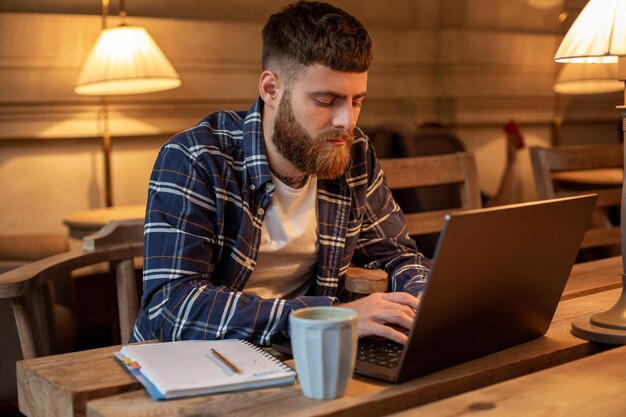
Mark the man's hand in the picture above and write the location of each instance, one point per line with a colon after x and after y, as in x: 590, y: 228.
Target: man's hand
x: 380, y: 310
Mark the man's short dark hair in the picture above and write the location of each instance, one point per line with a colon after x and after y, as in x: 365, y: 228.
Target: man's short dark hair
x: 308, y: 33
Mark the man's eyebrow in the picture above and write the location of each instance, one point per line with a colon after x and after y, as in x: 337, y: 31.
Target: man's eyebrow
x: 337, y: 95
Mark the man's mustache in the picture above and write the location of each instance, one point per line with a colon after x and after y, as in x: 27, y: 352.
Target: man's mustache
x: 337, y: 135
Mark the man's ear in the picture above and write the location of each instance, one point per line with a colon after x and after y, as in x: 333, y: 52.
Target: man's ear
x: 268, y: 88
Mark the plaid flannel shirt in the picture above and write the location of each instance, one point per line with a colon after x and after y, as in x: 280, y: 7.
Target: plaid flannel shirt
x: 208, y: 193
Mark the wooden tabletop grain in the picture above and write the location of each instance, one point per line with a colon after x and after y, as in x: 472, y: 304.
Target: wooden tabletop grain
x: 593, y: 386
x: 92, y: 383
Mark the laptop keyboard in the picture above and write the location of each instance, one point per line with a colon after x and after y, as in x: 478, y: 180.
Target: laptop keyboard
x: 380, y: 352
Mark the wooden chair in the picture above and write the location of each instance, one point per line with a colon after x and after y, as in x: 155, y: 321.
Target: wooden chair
x: 551, y: 163
x: 360, y: 282
x: 401, y: 140
x: 117, y: 243
x: 457, y: 170
x: 56, y: 318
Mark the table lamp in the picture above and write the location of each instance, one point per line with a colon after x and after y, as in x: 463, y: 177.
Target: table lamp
x: 599, y: 36
x: 124, y: 60
x: 587, y: 79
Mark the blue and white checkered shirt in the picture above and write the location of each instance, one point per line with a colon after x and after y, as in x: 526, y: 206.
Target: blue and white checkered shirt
x: 208, y: 194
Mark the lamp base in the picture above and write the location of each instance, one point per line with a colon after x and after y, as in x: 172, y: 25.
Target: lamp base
x: 606, y: 327
x: 585, y: 329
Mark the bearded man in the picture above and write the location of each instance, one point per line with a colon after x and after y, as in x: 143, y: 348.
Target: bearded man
x: 252, y: 215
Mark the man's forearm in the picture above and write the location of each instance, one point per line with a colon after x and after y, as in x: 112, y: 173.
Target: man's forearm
x: 202, y: 311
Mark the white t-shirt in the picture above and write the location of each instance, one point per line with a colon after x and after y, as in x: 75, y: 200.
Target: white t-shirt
x: 287, y: 257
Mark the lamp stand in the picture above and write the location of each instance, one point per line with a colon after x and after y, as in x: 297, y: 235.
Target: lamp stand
x: 106, y: 153
x: 610, y: 326
x: 106, y: 134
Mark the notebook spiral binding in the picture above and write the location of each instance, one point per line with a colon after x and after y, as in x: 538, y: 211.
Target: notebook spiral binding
x: 274, y: 359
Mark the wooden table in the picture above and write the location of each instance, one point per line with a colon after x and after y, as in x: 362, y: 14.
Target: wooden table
x: 593, y: 386
x: 85, y: 222
x: 604, y: 177
x: 592, y: 277
x: 92, y: 383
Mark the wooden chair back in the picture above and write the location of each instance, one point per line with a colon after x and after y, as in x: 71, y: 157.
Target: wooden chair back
x: 118, y: 243
x: 404, y: 174
x: 458, y: 169
x: 547, y: 162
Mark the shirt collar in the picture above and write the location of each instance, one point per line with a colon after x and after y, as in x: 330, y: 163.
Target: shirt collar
x: 255, y: 154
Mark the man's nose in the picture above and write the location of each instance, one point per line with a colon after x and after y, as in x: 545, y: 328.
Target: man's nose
x: 346, y: 117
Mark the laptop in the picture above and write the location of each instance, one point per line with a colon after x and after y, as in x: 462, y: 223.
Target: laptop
x: 497, y: 277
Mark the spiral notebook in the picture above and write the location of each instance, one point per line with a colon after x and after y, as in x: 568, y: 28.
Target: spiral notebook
x: 197, y: 367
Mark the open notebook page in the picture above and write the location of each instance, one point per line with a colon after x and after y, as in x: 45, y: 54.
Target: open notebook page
x: 184, y: 368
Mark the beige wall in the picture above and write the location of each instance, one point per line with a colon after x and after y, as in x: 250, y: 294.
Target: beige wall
x: 474, y: 64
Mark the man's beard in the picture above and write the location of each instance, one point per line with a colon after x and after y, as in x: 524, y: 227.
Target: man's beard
x: 310, y: 155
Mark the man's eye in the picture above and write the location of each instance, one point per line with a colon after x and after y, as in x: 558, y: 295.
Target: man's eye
x: 324, y: 103
x: 357, y: 104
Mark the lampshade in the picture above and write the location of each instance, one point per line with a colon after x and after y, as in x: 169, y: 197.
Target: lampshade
x: 544, y: 4
x: 597, y: 36
x: 587, y: 79
x: 126, y: 60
